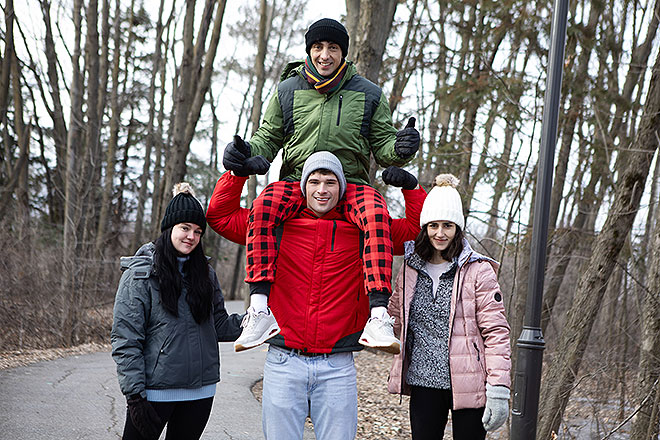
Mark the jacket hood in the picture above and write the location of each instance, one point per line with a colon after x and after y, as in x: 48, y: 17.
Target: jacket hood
x: 291, y: 69
x: 468, y: 255
x: 143, y: 258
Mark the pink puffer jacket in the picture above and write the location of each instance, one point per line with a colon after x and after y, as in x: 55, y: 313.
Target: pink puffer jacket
x: 479, y: 349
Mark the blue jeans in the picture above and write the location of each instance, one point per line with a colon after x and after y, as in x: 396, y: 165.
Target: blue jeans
x: 325, y: 387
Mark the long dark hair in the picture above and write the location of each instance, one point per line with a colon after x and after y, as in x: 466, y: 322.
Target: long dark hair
x: 197, y: 281
x: 425, y: 249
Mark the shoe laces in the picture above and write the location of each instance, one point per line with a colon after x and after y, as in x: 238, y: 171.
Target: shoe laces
x: 250, y: 319
x: 387, y: 324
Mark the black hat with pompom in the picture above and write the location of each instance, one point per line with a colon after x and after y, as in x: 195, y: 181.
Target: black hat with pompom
x: 183, y: 208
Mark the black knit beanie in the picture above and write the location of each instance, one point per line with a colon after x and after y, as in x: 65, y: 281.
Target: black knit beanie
x: 183, y: 208
x: 327, y: 29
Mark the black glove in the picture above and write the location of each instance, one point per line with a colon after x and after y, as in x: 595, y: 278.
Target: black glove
x: 396, y: 176
x: 407, y: 140
x: 255, y: 165
x: 237, y: 158
x: 236, y: 153
x: 144, y: 417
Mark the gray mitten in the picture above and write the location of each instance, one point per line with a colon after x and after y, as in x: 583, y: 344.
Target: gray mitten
x: 497, y: 406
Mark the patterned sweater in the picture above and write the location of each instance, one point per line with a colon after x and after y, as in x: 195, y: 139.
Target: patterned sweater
x: 428, y: 329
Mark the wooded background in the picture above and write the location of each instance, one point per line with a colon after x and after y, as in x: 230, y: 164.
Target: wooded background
x: 105, y: 104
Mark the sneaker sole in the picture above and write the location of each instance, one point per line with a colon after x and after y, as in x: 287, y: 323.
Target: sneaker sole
x: 243, y: 347
x: 393, y: 348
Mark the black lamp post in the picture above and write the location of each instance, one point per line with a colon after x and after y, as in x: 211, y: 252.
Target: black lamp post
x: 527, y: 378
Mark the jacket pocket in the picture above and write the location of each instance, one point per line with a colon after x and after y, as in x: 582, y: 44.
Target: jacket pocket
x: 480, y: 359
x: 161, y: 360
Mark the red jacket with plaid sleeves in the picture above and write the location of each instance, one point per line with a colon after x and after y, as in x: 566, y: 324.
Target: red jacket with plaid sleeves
x: 318, y: 296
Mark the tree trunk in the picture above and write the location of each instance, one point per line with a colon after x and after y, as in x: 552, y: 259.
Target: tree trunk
x: 175, y: 167
x: 374, y: 24
x: 578, y: 93
x: 499, y: 189
x: 73, y: 199
x: 191, y: 93
x: 59, y: 124
x: 157, y: 196
x: 406, y: 63
x: 352, y: 18
x: 374, y: 21
x: 110, y: 158
x: 23, y: 138
x: 146, y: 167
x: 91, y: 164
x: 7, y: 60
x: 17, y: 177
x: 203, y: 80
x: 645, y: 426
x: 561, y: 374
x: 265, y: 21
x: 586, y: 206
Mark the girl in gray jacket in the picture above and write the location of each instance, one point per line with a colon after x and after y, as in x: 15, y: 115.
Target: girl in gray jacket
x: 169, y: 315
x: 448, y: 312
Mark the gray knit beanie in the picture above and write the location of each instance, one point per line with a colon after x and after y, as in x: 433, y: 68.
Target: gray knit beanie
x: 323, y: 160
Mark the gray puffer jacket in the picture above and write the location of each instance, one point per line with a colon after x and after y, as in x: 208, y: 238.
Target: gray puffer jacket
x: 156, y: 350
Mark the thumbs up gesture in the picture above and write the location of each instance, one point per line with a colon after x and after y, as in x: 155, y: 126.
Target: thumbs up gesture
x: 407, y: 140
x: 237, y: 158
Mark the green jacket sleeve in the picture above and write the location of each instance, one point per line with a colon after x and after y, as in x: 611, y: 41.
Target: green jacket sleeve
x: 128, y: 336
x: 382, y: 136
x: 269, y: 137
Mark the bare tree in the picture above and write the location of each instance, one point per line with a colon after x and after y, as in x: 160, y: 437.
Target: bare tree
x: 156, y: 61
x: 57, y: 115
x: 374, y: 22
x: 646, y: 423
x: 17, y: 175
x: 73, y: 201
x: 265, y: 22
x: 635, y: 164
x: 195, y: 77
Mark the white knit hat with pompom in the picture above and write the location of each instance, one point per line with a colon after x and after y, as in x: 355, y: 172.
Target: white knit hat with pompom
x: 443, y: 202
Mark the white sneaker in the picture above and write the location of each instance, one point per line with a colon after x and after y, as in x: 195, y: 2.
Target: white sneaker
x: 257, y: 328
x: 379, y: 334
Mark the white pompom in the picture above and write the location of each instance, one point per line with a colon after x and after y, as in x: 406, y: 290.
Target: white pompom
x: 183, y: 187
x: 446, y: 180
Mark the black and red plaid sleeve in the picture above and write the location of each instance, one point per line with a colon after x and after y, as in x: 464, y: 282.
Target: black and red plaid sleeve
x: 366, y: 207
x: 278, y: 202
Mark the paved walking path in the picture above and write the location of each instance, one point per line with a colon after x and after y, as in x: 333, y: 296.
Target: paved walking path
x: 78, y: 398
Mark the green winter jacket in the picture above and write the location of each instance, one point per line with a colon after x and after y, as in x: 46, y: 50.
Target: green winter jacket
x: 350, y: 122
x: 156, y: 350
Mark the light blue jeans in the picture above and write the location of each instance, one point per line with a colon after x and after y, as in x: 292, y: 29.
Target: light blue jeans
x: 325, y: 387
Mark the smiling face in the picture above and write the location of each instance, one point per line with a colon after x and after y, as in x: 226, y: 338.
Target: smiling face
x: 185, y: 237
x: 326, y: 57
x: 441, y: 234
x: 322, y: 192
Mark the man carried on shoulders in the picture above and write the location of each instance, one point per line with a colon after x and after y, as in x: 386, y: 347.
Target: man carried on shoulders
x: 322, y: 104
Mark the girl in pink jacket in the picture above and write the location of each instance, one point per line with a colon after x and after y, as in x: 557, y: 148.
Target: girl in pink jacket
x: 450, y: 318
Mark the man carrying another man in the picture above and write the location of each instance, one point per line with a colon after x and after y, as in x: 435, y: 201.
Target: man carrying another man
x: 317, y: 296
